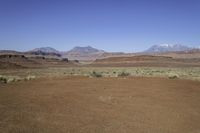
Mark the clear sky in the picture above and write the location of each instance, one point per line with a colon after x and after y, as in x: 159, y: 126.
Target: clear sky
x: 111, y: 25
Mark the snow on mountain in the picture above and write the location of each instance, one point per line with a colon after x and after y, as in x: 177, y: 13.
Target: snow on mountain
x: 167, y: 48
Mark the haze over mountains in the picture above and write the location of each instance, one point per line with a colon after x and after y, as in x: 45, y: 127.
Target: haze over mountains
x: 90, y: 53
x: 45, y: 50
x: 83, y: 53
x: 155, y: 56
x: 167, y: 48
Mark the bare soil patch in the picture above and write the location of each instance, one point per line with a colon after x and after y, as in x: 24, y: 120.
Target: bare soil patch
x: 147, y: 61
x: 100, y: 105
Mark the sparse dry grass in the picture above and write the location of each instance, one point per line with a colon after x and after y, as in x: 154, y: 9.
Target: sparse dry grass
x: 10, y: 79
x: 182, y: 73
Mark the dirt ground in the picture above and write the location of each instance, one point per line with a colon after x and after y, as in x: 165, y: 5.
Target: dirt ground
x: 100, y: 105
x: 146, y: 61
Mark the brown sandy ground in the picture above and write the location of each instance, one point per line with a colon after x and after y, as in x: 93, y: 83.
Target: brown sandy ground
x: 100, y: 105
x: 146, y: 61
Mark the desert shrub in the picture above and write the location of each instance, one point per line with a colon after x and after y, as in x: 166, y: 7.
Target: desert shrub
x: 3, y: 79
x: 71, y: 73
x: 65, y: 59
x: 30, y: 77
x: 150, y: 73
x: 95, y: 74
x: 173, y: 76
x: 10, y: 79
x: 7, y: 79
x: 124, y: 74
x: 76, y: 61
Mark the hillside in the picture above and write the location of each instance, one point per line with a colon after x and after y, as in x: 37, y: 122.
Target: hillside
x: 83, y: 53
x: 167, y: 48
x: 21, y: 61
x: 146, y: 61
x: 187, y: 54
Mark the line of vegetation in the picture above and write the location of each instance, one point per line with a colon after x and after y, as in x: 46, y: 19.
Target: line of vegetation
x: 95, y: 74
x: 173, y: 76
x: 124, y: 74
x: 9, y: 79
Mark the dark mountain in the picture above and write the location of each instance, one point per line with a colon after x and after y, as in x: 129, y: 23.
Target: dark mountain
x: 83, y: 53
x: 90, y: 53
x: 84, y: 50
x: 44, y: 51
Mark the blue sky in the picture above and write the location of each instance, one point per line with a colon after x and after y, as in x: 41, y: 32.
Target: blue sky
x: 112, y: 25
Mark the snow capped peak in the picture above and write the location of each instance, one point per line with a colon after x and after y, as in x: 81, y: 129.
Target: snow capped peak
x: 167, y: 48
x: 165, y: 45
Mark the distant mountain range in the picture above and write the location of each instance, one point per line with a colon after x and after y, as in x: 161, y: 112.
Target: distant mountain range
x: 90, y: 53
x: 167, y: 48
x: 45, y: 50
x: 83, y: 53
x: 85, y: 50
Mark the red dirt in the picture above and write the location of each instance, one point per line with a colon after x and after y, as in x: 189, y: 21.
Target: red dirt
x: 9, y: 61
x: 100, y: 105
x: 146, y: 61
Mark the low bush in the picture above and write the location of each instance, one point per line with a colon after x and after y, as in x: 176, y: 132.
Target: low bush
x: 124, y: 74
x: 30, y: 77
x: 7, y: 79
x: 3, y: 79
x: 173, y: 76
x: 95, y: 74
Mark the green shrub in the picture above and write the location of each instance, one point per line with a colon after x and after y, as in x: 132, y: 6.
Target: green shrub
x: 95, y: 74
x: 30, y: 77
x: 124, y: 74
x: 10, y: 79
x: 173, y: 76
x: 7, y: 79
x: 3, y: 79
